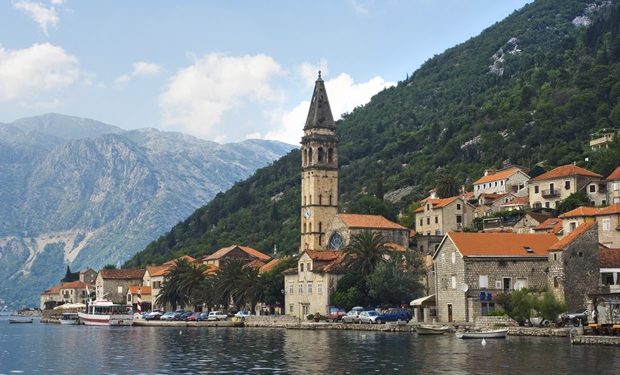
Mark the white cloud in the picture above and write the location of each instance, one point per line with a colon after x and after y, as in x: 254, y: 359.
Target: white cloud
x: 30, y: 71
x: 57, y: 2
x: 359, y: 7
x: 140, y: 68
x: 41, y: 14
x: 309, y: 72
x: 343, y: 94
x: 199, y: 95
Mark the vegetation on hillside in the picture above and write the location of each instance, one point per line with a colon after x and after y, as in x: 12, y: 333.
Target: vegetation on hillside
x: 530, y: 89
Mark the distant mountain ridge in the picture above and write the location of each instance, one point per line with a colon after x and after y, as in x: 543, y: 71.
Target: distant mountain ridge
x: 86, y: 193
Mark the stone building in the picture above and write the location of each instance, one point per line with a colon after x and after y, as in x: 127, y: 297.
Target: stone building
x: 528, y: 221
x: 343, y: 226
x: 234, y: 252
x: 608, y: 219
x: 437, y: 216
x: 613, y: 187
x: 112, y: 284
x: 574, y: 218
x: 574, y: 269
x: 88, y: 276
x: 550, y: 188
x: 508, y: 180
x: 50, y: 298
x: 472, y: 268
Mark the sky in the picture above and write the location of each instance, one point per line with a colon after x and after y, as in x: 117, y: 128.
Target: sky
x: 219, y: 70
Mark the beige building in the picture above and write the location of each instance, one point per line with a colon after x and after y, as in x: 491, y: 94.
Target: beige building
x: 343, y: 226
x: 438, y: 216
x: 574, y: 218
x: 471, y: 269
x: 613, y: 187
x: 608, y: 220
x: 112, y: 284
x: 308, y: 287
x: 154, y: 279
x: 65, y: 292
x: 602, y: 140
x: 234, y: 252
x: 508, y: 180
x: 550, y: 188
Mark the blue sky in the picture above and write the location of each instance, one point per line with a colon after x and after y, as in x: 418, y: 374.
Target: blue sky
x: 219, y: 70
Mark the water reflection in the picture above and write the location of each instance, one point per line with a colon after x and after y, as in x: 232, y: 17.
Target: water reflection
x: 41, y: 348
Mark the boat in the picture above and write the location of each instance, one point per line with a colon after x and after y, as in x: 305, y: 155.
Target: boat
x: 432, y: 330
x: 69, y: 319
x: 494, y: 334
x: 20, y: 320
x: 106, y: 313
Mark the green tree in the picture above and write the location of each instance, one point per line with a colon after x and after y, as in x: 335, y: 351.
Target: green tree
x: 364, y: 252
x: 180, y: 284
x: 447, y: 186
x: 371, y: 205
x: 398, y: 280
x: 571, y: 202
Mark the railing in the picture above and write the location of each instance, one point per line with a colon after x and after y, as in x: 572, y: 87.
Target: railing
x: 550, y: 193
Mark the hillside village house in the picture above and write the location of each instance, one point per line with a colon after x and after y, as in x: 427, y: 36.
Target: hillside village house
x: 508, y: 180
x: 528, y: 221
x: 234, y: 252
x: 610, y: 269
x: 436, y: 216
x: 550, y: 188
x: 574, y: 218
x: 154, y: 279
x: 613, y: 187
x: 472, y: 268
x: 608, y: 219
x: 574, y: 269
x: 112, y: 284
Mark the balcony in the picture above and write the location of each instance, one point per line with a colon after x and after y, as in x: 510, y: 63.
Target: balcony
x: 550, y: 193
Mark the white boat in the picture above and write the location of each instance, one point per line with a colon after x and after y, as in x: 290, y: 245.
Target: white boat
x: 69, y: 319
x: 432, y: 330
x: 494, y: 334
x: 106, y: 313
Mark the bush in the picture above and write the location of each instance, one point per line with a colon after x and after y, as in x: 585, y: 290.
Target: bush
x: 497, y: 313
x: 310, y: 317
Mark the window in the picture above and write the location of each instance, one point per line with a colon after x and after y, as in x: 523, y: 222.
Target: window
x: 453, y: 282
x: 428, y: 221
x: 330, y: 155
x: 320, y: 199
x: 483, y: 281
x: 459, y: 219
x: 443, y: 258
x: 567, y: 185
x: 310, y: 288
x: 290, y: 288
x: 301, y: 267
x: 120, y: 289
x: 428, y: 207
x: 592, y: 188
x: 319, y: 289
x: 301, y: 288
x: 309, y: 266
x: 615, y: 186
x: 453, y: 257
x: 536, y: 189
x: 555, y: 256
x: 521, y: 283
x: 580, y: 254
x: 606, y: 224
x: 444, y: 283
x: 305, y: 309
x: 421, y: 222
x: 546, y: 204
x: 556, y: 283
x: 320, y: 154
x: 495, y: 183
x: 291, y: 308
x: 436, y: 219
x: 458, y: 206
x: 572, y: 226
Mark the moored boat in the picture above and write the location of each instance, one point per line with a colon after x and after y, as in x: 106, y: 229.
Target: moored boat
x: 432, y: 330
x: 69, y: 319
x: 20, y: 320
x: 106, y: 313
x: 494, y: 334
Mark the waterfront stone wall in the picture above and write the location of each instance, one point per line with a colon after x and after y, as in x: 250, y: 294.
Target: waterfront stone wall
x: 494, y: 322
x: 596, y: 340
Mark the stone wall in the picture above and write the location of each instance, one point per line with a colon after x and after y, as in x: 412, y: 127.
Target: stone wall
x: 494, y: 322
x: 581, y: 269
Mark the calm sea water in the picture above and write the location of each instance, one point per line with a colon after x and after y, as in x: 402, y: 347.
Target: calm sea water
x: 53, y: 349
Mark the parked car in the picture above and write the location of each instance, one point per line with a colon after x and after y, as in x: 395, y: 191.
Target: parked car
x: 153, y: 315
x: 184, y: 315
x: 369, y: 317
x: 353, y: 315
x: 192, y: 317
x: 168, y: 316
x: 242, y: 314
x: 217, y: 315
x: 203, y: 316
x: 576, y: 318
x: 335, y: 314
x: 394, y: 315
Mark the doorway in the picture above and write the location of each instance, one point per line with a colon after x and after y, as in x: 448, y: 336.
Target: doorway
x: 450, y: 312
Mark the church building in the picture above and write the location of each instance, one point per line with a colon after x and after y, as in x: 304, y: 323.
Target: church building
x: 325, y: 232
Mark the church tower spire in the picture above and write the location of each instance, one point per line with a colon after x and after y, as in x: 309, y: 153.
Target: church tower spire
x: 319, y: 170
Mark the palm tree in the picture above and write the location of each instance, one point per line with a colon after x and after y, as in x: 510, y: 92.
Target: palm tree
x: 180, y: 283
x: 365, y: 251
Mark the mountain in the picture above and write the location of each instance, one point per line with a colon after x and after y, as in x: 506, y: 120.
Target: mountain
x: 529, y: 89
x: 80, y: 192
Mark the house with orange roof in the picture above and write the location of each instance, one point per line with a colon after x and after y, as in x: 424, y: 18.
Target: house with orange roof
x: 608, y: 219
x: 234, y: 252
x: 574, y: 218
x: 551, y: 225
x: 471, y: 269
x: 613, y: 187
x: 309, y: 285
x: 153, y: 278
x: 550, y: 188
x: 112, y: 284
x: 574, y: 269
x: 528, y: 221
x: 437, y: 216
x: 50, y: 298
x: 507, y: 180
x: 516, y: 203
x: 143, y: 292
x: 344, y: 226
x: 64, y: 292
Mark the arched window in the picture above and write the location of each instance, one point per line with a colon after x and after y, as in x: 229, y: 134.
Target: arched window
x: 310, y: 155
x: 330, y: 155
x: 330, y: 199
x: 320, y: 199
x: 320, y: 154
x: 336, y: 242
x: 304, y: 156
x: 304, y: 227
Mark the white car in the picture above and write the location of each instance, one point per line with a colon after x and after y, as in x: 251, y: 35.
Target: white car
x: 242, y: 314
x: 369, y: 317
x: 217, y: 315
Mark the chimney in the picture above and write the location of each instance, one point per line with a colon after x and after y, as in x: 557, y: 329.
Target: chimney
x: 489, y: 171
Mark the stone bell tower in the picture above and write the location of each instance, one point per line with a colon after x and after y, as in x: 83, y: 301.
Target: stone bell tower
x: 319, y: 171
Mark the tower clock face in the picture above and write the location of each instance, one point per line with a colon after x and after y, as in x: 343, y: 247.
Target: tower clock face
x: 336, y: 242
x: 307, y: 212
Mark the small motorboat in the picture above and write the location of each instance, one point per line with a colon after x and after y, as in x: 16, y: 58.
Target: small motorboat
x: 432, y: 330
x: 494, y: 334
x: 69, y: 319
x: 20, y: 320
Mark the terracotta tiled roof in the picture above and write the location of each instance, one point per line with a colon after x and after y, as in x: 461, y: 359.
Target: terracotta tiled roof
x: 73, y: 285
x: 502, y: 244
x: 615, y: 175
x: 609, y: 258
x: 580, y: 212
x: 272, y: 264
x: 565, y: 171
x: 551, y: 225
x: 419, y: 209
x: 538, y: 216
x: 53, y: 290
x: 122, y: 273
x: 255, y: 263
x: 501, y: 175
x: 211, y: 269
x: 569, y: 238
x: 517, y: 201
x: 156, y: 271
x: 469, y: 195
x: 412, y: 233
x: 248, y: 250
x: 187, y: 258
x: 323, y: 255
x: 144, y: 290
x: 609, y: 210
x: 336, y: 266
x: 368, y: 221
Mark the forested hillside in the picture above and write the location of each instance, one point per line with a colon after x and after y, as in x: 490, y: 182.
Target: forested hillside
x: 529, y: 89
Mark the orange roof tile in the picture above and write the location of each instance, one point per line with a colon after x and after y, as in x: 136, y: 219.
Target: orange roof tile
x: 565, y: 171
x: 609, y: 258
x: 272, y: 264
x: 248, y: 250
x: 502, y: 244
x: 609, y: 210
x: 73, y: 285
x: 187, y: 258
x: 579, y: 212
x: 551, y: 225
x: 569, y: 238
x: 53, y: 290
x: 323, y: 255
x: 501, y: 175
x: 412, y: 233
x: 517, y: 201
x: 156, y: 271
x: 122, y: 273
x: 255, y: 263
x: 369, y: 221
x: 615, y: 175
x: 144, y: 290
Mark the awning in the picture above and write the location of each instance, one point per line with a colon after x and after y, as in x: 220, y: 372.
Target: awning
x: 420, y: 301
x: 68, y: 306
